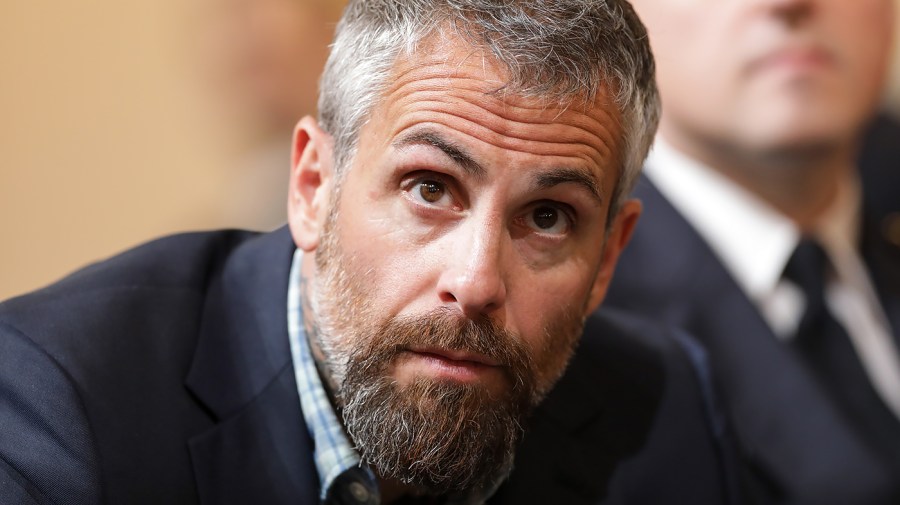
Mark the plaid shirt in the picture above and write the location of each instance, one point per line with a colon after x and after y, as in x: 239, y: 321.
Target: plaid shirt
x: 343, y: 480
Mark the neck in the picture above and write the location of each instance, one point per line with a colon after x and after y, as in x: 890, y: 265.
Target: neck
x: 801, y: 182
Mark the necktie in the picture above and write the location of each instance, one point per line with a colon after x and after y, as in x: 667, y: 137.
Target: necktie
x: 825, y: 347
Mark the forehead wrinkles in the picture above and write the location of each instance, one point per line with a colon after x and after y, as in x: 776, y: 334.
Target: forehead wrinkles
x: 437, y: 93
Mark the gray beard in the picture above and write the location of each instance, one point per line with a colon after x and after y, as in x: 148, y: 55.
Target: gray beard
x: 437, y: 436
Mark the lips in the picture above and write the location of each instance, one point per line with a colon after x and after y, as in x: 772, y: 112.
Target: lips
x: 793, y: 57
x: 463, y: 367
x: 459, y: 356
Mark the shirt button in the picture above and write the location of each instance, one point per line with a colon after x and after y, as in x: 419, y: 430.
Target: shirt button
x: 359, y: 492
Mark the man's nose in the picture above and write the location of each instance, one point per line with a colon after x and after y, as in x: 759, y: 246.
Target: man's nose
x: 474, y: 276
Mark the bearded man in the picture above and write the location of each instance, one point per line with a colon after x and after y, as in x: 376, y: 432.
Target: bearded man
x: 454, y: 215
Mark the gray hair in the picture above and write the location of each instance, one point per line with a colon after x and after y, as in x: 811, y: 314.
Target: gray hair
x: 557, y: 50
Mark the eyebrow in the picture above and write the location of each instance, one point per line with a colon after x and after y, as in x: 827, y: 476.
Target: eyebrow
x: 583, y: 178
x: 451, y: 150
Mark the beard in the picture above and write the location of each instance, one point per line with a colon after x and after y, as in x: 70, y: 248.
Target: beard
x: 437, y: 435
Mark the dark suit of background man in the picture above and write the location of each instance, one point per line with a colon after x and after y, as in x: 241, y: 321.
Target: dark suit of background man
x: 757, y: 237
x: 454, y: 215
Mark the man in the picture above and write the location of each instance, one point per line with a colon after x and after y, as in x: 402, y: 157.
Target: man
x: 454, y: 216
x: 763, y: 106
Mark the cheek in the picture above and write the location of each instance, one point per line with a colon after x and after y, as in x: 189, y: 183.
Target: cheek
x: 556, y: 345
x: 868, y: 42
x: 548, y: 314
x: 379, y: 247
x: 700, y: 65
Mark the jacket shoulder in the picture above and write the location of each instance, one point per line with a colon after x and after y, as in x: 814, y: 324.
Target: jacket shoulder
x: 166, y: 261
x: 84, y: 360
x: 184, y: 262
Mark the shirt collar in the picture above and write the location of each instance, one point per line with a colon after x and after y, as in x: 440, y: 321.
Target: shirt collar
x: 337, y: 463
x: 751, y: 238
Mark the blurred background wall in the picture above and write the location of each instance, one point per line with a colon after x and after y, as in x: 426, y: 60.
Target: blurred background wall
x: 123, y: 121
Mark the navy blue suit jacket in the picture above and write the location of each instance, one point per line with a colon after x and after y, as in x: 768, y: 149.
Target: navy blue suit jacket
x: 164, y: 375
x: 795, y: 446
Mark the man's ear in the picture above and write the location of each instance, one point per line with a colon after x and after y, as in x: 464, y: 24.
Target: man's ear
x: 617, y: 238
x: 310, y: 184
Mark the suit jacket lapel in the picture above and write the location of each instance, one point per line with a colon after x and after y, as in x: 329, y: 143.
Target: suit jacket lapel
x: 260, y: 450
x: 788, y: 430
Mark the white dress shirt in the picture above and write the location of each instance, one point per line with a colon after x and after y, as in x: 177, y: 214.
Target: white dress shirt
x: 754, y: 242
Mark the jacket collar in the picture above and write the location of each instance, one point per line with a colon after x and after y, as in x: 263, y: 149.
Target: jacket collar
x: 259, y: 450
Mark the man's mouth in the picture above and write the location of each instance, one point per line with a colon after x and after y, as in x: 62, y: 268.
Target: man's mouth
x: 456, y: 355
x: 455, y: 365
x: 794, y: 59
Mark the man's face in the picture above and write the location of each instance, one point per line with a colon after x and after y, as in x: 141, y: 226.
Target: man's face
x: 767, y: 74
x: 455, y: 264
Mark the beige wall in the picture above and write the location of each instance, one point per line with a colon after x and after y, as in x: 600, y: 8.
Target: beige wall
x: 111, y: 134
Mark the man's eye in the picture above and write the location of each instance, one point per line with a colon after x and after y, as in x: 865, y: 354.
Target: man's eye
x: 431, y: 192
x: 547, y: 220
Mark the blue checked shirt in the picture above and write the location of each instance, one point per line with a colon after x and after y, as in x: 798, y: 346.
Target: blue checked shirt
x: 343, y: 480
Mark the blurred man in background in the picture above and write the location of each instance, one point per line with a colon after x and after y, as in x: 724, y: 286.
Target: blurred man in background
x: 755, y: 239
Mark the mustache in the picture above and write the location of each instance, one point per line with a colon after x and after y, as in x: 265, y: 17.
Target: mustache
x: 444, y: 329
